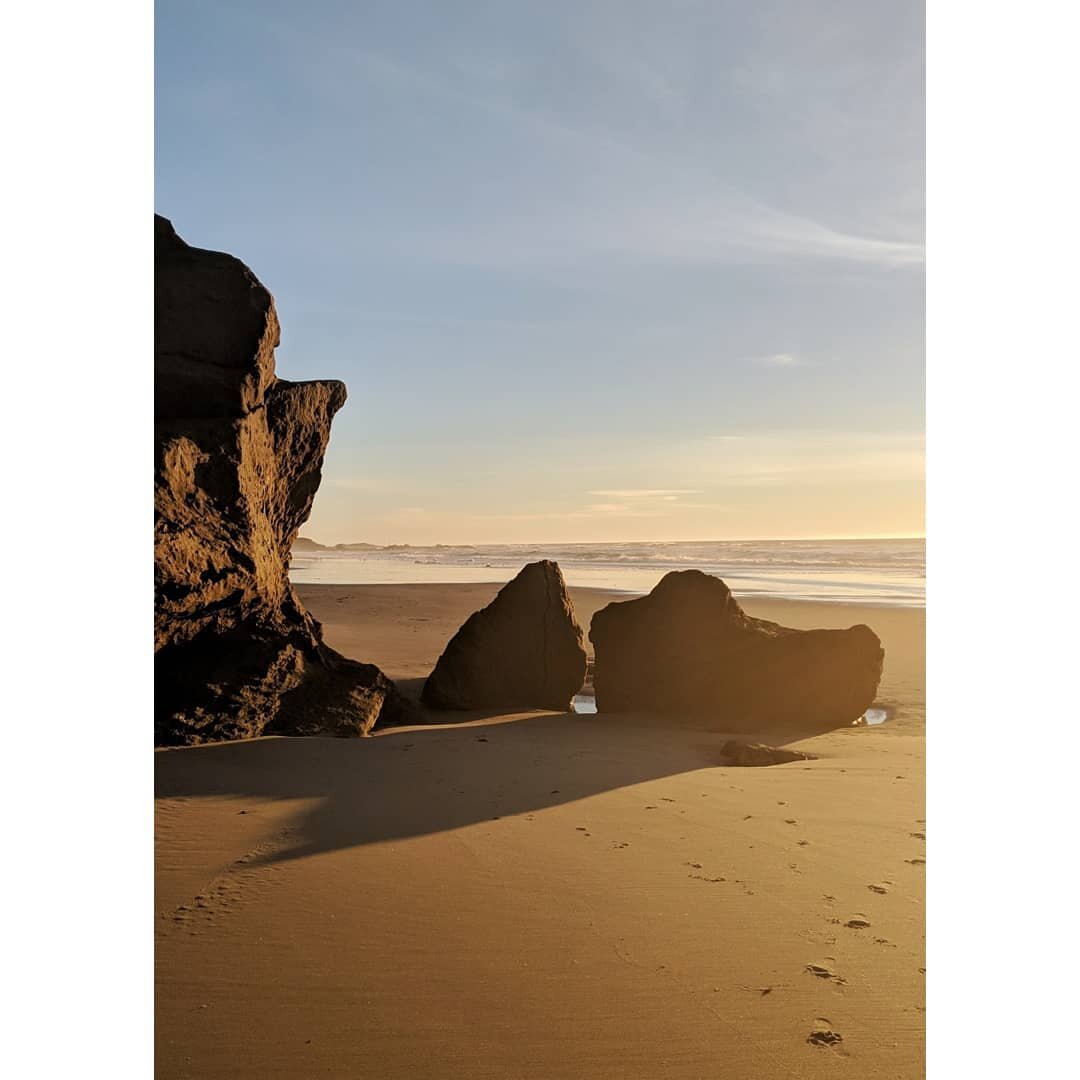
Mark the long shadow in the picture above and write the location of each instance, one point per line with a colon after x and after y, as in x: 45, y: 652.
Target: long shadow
x: 420, y: 780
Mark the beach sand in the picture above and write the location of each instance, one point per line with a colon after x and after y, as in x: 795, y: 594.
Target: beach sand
x: 543, y: 895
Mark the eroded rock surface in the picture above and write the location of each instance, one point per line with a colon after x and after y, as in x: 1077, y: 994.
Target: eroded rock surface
x: 688, y: 647
x: 523, y: 650
x: 238, y: 457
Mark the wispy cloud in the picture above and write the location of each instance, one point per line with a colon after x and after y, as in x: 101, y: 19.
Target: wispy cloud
x: 778, y: 360
x: 666, y: 209
x: 647, y: 493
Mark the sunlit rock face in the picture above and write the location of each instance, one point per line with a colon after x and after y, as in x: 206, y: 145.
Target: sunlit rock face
x: 688, y: 647
x: 238, y: 458
x: 523, y: 650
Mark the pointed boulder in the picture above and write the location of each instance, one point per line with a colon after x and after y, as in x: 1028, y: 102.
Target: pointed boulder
x: 523, y: 650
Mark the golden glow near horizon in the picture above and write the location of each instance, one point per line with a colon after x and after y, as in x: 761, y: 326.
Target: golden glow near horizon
x: 720, y: 488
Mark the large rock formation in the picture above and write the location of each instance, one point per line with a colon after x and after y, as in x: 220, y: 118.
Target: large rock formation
x: 238, y: 460
x: 524, y: 649
x: 688, y: 647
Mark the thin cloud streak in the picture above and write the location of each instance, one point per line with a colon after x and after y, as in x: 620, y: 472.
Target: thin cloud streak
x: 646, y: 493
x: 700, y: 219
x: 777, y: 360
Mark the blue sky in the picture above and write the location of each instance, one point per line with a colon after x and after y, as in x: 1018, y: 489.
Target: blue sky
x: 591, y: 271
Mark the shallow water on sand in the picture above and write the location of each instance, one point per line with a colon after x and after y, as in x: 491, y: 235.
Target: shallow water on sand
x: 872, y: 717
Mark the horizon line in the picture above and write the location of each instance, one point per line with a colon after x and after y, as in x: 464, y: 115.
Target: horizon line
x: 567, y: 543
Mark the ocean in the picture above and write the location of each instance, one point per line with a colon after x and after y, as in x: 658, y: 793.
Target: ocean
x: 891, y: 572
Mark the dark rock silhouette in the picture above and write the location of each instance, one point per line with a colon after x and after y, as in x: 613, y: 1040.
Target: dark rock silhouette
x: 524, y: 649
x: 688, y: 647
x: 238, y: 456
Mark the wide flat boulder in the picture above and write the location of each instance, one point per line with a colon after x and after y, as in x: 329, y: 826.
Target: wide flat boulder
x: 524, y: 650
x: 238, y: 459
x: 688, y: 647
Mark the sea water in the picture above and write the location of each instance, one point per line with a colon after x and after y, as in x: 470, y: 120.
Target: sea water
x: 891, y: 572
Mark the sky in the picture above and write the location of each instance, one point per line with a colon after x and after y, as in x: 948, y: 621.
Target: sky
x: 591, y: 271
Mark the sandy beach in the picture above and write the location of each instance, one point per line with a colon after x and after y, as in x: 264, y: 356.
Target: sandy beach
x: 543, y: 895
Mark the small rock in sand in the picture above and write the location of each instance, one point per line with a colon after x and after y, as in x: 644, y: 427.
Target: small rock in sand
x: 754, y: 755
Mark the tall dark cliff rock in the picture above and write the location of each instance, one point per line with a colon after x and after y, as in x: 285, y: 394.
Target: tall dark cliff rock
x: 238, y: 459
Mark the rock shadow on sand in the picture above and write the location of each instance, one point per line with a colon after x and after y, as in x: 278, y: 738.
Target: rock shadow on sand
x: 414, y: 781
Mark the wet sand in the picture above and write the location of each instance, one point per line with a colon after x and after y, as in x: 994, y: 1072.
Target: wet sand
x: 543, y: 895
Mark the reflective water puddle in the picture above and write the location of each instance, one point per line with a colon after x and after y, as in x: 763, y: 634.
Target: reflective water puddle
x: 871, y: 717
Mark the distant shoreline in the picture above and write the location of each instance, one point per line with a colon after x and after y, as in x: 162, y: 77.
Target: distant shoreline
x: 884, y: 573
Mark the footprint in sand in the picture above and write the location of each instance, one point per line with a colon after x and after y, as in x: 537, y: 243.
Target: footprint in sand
x: 650, y: 807
x: 822, y: 972
x: 878, y: 889
x: 664, y: 799
x: 693, y: 865
x: 918, y: 835
x: 822, y: 1034
x: 621, y: 844
x: 748, y: 817
x: 790, y: 821
x: 916, y: 862
x: 711, y: 880
x: 804, y: 843
x: 857, y: 924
